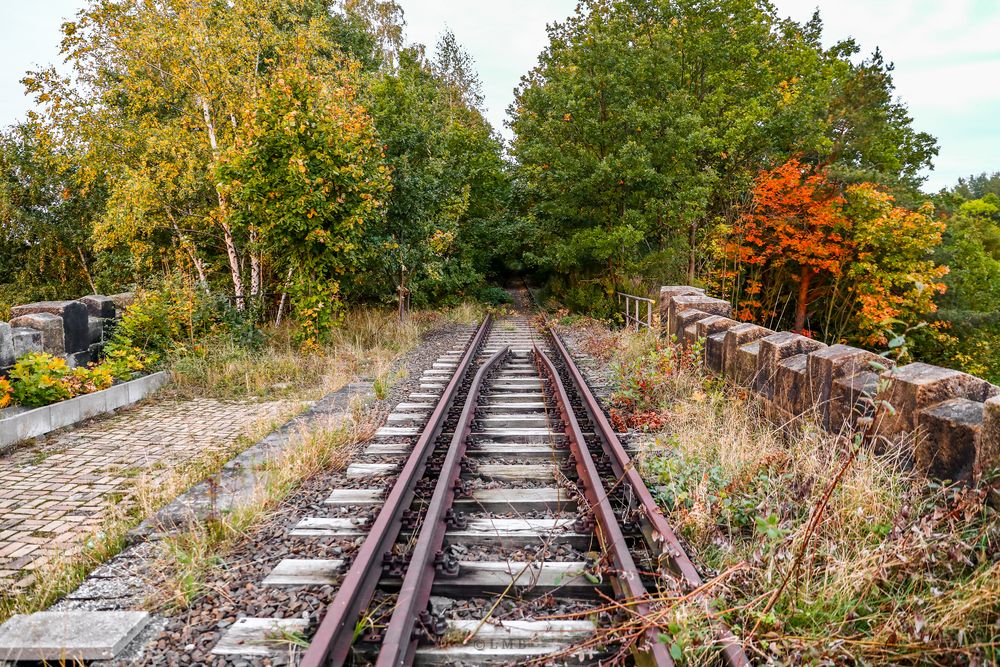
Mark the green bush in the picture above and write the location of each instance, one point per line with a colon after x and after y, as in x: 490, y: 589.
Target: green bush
x: 175, y: 320
x: 38, y: 379
x: 494, y: 296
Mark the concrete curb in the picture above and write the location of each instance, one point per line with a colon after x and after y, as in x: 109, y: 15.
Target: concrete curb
x: 33, y: 423
x: 236, y: 483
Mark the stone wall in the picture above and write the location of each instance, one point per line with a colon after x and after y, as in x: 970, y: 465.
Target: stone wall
x: 74, y: 330
x: 949, y: 418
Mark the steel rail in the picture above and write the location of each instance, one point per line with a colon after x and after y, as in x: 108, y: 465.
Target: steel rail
x: 662, y: 534
x: 626, y: 579
x: 399, y: 642
x: 335, y: 635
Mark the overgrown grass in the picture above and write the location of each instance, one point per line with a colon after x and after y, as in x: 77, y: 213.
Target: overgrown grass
x: 899, y: 570
x: 365, y: 346
x: 186, y: 561
x: 148, y: 492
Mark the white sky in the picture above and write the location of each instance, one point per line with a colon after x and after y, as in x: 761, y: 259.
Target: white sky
x: 947, y: 56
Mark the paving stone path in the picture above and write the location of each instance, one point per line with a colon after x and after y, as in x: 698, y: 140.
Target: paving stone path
x: 54, y: 494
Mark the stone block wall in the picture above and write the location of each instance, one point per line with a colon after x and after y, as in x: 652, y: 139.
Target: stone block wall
x: 74, y: 330
x: 949, y: 418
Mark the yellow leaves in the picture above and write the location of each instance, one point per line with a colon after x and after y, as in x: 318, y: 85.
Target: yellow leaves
x: 788, y: 91
x: 567, y: 117
x: 441, y: 241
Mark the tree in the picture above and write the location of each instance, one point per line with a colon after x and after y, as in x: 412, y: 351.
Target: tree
x: 45, y: 219
x: 646, y: 121
x: 454, y: 67
x: 853, y: 263
x: 795, y: 231
x: 891, y: 277
x: 154, y: 104
x: 978, y: 186
x: 448, y: 177
x: 965, y: 333
x: 308, y: 175
x: 383, y: 20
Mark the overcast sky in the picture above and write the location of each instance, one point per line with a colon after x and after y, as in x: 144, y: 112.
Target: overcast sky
x: 947, y: 56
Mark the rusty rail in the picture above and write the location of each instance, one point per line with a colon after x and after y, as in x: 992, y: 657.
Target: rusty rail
x: 332, y: 642
x: 400, y: 639
x: 655, y: 526
x: 626, y: 579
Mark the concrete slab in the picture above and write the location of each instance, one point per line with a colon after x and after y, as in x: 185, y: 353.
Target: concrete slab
x: 372, y: 469
x: 260, y: 636
x: 25, y: 341
x: 51, y: 328
x: 304, y: 572
x: 99, y: 305
x: 69, y: 635
x: 355, y: 497
x: 394, y: 431
x: 329, y: 527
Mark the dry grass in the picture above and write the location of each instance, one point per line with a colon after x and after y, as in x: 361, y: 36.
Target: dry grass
x: 365, y: 346
x: 186, y: 561
x: 898, y: 570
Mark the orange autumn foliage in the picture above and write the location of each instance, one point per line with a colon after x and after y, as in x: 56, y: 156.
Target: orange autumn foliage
x: 806, y: 239
x: 796, y: 223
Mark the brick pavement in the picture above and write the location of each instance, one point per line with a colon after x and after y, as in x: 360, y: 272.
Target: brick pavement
x: 54, y: 494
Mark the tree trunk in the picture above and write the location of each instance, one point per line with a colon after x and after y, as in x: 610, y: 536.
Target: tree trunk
x: 234, y: 266
x: 86, y: 271
x: 227, y: 233
x: 805, y: 277
x: 188, y: 246
x: 692, y: 240
x: 404, y: 294
x: 255, y: 277
x: 284, y: 300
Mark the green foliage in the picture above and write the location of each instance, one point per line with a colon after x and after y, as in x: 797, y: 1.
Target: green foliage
x: 448, y: 180
x: 494, y: 296
x: 171, y: 320
x: 965, y: 334
x: 157, y: 99
x: 37, y: 380
x: 45, y: 219
x: 308, y: 180
x: 645, y: 122
x: 232, y: 143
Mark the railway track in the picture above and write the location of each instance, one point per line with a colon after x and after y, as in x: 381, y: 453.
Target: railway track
x: 500, y: 521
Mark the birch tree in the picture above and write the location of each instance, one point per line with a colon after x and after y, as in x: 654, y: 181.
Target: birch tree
x: 155, y: 97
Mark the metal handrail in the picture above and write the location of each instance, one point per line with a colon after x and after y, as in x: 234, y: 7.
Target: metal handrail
x: 632, y: 314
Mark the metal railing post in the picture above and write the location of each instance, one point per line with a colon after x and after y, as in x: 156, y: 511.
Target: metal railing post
x: 631, y: 310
